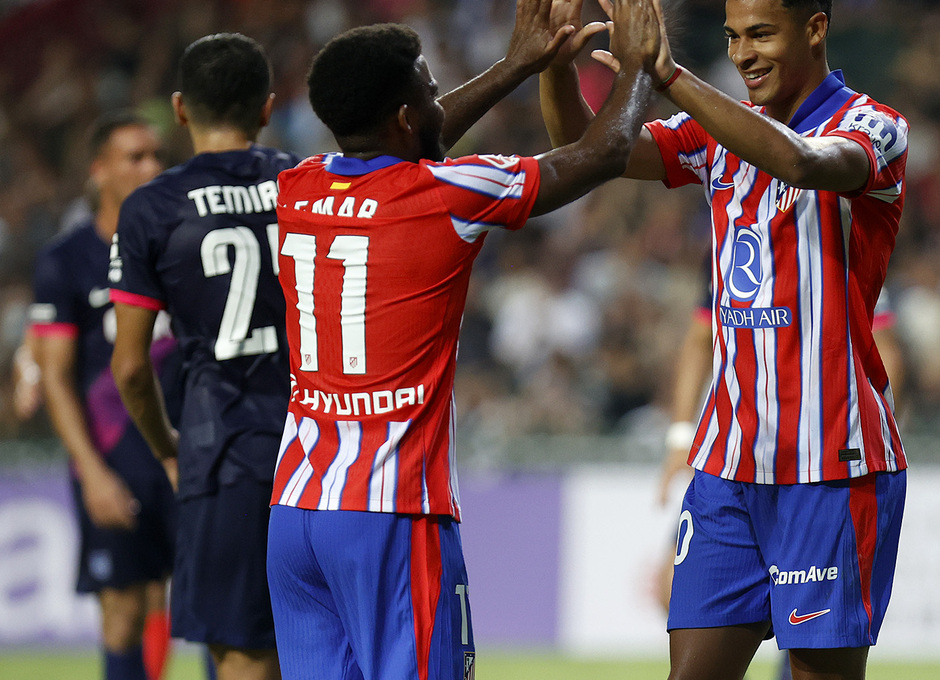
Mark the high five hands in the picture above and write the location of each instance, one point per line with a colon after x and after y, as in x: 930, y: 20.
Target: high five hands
x: 637, y: 33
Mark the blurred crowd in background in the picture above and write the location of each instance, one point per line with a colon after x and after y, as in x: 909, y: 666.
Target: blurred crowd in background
x: 573, y: 323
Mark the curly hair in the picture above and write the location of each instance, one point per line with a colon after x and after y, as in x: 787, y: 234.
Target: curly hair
x: 362, y: 76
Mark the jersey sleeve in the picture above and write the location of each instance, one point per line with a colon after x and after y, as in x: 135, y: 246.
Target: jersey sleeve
x: 683, y: 145
x: 132, y: 273
x: 54, y: 310
x: 883, y: 135
x: 486, y: 192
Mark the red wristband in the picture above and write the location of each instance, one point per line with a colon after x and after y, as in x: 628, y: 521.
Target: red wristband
x: 663, y: 86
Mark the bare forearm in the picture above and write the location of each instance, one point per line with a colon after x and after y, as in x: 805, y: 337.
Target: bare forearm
x: 466, y: 104
x: 68, y: 420
x: 564, y: 109
x: 602, y: 152
x: 143, y: 398
x: 814, y: 163
x: 567, y: 115
x: 693, y: 366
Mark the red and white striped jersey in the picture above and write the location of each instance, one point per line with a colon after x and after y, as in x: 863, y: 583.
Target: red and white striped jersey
x: 799, y: 392
x: 375, y: 259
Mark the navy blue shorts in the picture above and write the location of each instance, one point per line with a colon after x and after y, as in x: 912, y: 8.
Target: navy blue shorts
x: 815, y: 560
x: 116, y: 558
x: 369, y: 596
x: 220, y: 588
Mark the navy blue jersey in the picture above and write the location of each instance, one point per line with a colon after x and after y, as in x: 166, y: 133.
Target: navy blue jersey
x: 200, y: 240
x: 71, y: 299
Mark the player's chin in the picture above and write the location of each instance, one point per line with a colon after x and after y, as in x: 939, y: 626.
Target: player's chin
x: 759, y: 96
x: 436, y: 153
x: 432, y: 148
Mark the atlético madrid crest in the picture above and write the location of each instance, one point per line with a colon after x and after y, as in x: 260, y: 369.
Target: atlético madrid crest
x: 469, y: 667
x: 786, y: 195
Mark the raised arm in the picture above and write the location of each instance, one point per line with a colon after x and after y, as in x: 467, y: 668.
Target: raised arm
x: 136, y: 381
x: 602, y: 151
x: 565, y: 111
x: 531, y: 47
x: 821, y: 163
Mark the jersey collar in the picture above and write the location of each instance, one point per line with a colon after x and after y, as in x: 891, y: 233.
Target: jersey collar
x: 339, y: 164
x: 822, y: 103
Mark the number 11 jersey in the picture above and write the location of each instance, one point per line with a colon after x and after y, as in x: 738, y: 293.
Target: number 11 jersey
x: 199, y: 241
x: 375, y: 260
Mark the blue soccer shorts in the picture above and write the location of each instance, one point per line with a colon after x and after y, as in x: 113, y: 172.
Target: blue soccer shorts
x: 220, y: 590
x: 369, y: 596
x: 815, y: 560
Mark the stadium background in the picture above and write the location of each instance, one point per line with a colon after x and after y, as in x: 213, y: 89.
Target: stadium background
x: 571, y: 329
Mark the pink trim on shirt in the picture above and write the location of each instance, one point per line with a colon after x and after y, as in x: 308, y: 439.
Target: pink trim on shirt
x: 702, y: 315
x: 42, y: 330
x: 135, y: 300
x: 882, y: 321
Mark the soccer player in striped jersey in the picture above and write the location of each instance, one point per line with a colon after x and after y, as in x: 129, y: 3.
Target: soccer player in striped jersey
x: 790, y: 524
x: 376, y: 246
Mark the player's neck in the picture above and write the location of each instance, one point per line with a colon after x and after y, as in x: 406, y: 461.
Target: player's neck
x: 368, y: 146
x: 106, y: 220
x: 217, y: 140
x: 784, y: 111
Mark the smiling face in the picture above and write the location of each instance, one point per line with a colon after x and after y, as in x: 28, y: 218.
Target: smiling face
x: 778, y: 51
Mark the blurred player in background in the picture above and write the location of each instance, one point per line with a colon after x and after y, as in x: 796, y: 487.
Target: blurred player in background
x: 199, y: 241
x: 791, y: 522
x: 365, y: 565
x: 125, y: 503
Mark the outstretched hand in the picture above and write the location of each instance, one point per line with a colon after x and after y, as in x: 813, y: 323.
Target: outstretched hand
x: 638, y: 32
x: 568, y: 12
x: 535, y: 40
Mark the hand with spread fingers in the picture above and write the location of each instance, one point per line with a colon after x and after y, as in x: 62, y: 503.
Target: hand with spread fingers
x: 642, y: 36
x: 536, y: 39
x: 568, y: 13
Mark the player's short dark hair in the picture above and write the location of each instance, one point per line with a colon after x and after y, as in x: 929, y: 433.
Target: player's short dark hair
x: 362, y: 76
x: 109, y: 123
x: 225, y: 78
x: 810, y: 6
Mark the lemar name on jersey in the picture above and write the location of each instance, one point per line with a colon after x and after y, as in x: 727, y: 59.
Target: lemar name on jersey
x: 348, y: 208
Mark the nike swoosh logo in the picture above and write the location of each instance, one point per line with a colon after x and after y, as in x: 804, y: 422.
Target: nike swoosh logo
x: 718, y: 185
x: 797, y: 619
x: 99, y: 297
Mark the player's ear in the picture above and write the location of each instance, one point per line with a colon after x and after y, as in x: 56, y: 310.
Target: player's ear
x: 179, y: 109
x: 404, y: 118
x: 817, y: 28
x: 96, y: 173
x: 266, y: 111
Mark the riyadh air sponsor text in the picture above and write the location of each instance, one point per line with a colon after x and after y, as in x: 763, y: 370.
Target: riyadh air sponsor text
x: 755, y: 317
